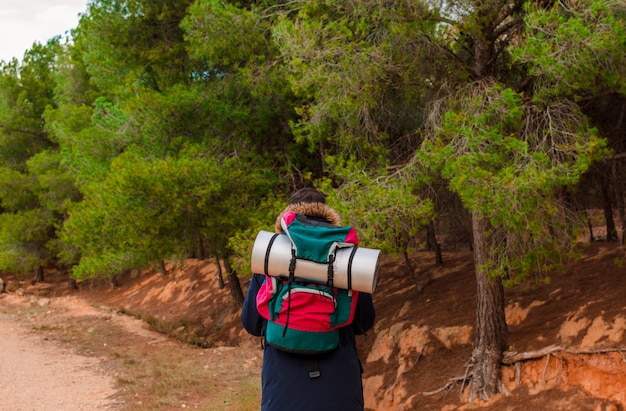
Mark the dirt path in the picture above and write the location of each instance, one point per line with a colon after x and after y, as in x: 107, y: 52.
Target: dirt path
x: 36, y: 374
x: 66, y: 353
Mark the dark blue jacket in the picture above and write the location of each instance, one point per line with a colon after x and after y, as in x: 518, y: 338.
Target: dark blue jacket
x: 286, y: 383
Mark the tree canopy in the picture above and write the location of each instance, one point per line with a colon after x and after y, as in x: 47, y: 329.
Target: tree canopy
x: 164, y: 130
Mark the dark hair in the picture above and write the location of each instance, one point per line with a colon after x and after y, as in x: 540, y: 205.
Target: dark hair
x: 307, y: 195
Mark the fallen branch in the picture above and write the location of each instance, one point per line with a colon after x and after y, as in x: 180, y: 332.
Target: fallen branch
x: 513, y: 357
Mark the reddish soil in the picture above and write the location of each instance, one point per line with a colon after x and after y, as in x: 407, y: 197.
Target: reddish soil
x: 571, y: 328
x: 427, y: 338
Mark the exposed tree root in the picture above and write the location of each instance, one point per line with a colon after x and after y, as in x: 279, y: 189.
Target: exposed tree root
x: 461, y: 379
x: 393, y: 386
x: 516, y: 358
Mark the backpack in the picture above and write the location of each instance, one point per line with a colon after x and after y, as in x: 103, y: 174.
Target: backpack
x: 304, y: 316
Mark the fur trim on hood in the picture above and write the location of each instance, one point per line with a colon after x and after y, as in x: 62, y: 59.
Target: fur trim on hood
x: 319, y: 210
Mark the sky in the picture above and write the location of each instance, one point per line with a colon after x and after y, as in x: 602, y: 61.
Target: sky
x: 22, y: 22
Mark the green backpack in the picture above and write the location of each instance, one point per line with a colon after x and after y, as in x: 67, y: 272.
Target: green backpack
x: 304, y: 316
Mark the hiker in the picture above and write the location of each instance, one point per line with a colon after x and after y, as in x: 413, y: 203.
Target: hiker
x: 322, y: 382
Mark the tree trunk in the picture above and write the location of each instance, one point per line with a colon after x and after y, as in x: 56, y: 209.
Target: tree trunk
x: 72, y: 285
x: 114, y: 282
x: 162, y: 268
x: 420, y: 281
x: 233, y: 284
x: 200, y: 248
x: 220, y: 275
x: 611, y: 231
x: 433, y: 244
x: 490, y: 338
x: 622, y: 217
x: 419, y: 284
x: 618, y: 185
x: 592, y: 238
x: 39, y: 277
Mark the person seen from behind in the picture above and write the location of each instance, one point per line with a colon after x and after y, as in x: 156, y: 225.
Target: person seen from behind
x: 287, y: 381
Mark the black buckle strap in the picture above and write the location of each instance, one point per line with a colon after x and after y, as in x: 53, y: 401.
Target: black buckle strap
x: 267, y: 253
x: 314, y: 368
x: 331, y: 271
x: 350, y: 267
x: 292, y: 270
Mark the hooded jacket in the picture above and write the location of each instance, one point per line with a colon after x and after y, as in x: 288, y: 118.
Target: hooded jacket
x: 286, y: 384
x: 313, y: 210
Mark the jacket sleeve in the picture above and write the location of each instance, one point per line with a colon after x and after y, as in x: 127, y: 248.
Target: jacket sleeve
x: 250, y: 317
x: 365, y: 314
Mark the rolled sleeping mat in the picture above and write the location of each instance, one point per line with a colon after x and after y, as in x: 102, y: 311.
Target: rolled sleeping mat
x: 271, y: 255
